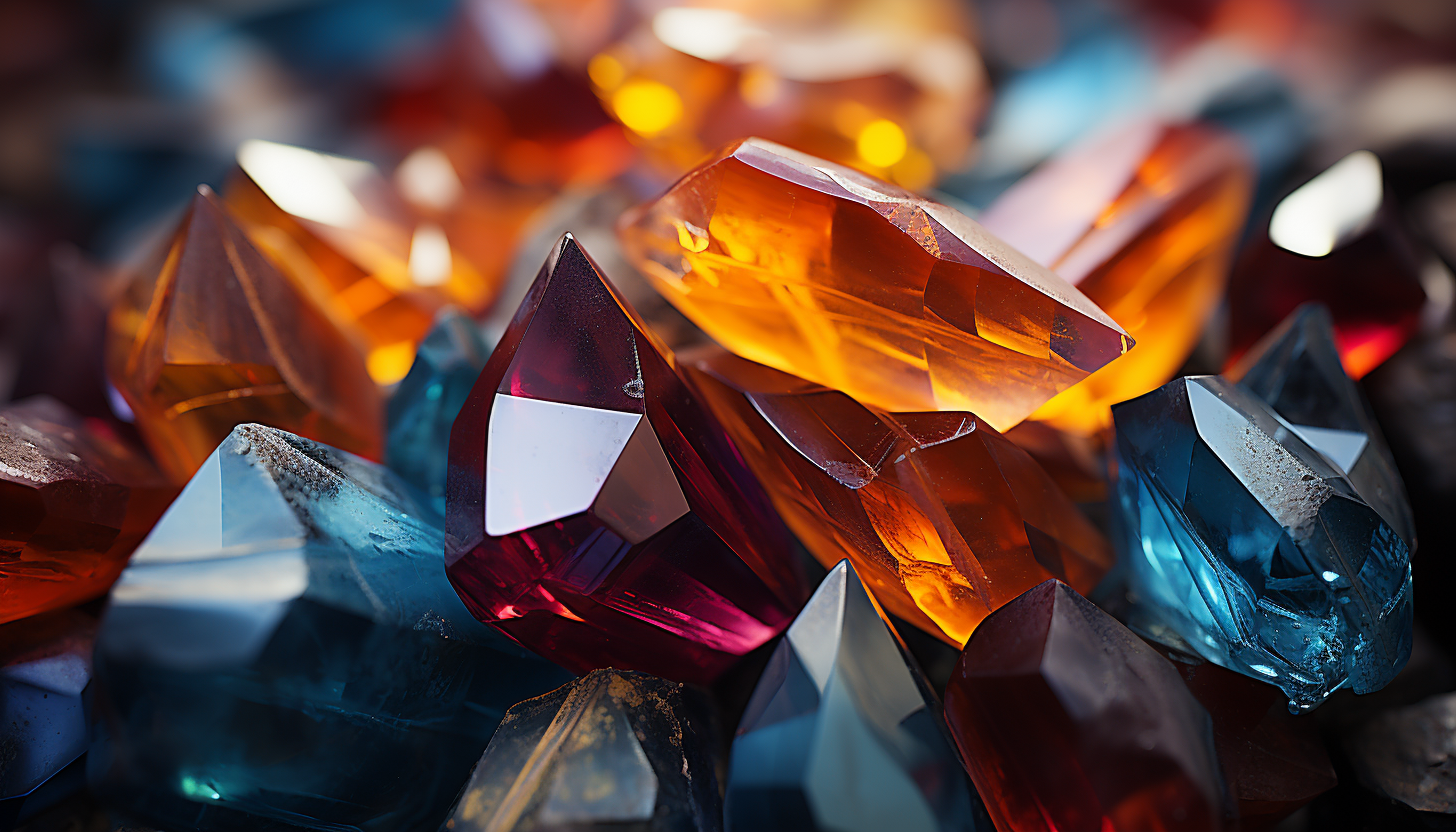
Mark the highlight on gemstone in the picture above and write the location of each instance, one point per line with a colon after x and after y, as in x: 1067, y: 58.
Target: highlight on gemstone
x: 209, y: 335
x: 1252, y: 546
x: 853, y: 283
x: 842, y: 731
x: 596, y: 511
x: 1143, y: 220
x: 944, y: 519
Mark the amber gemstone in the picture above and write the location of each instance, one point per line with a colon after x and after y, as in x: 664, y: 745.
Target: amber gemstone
x: 74, y: 501
x: 853, y: 283
x: 944, y: 518
x: 210, y: 335
x: 1144, y: 222
x: 891, y: 88
x: 343, y: 233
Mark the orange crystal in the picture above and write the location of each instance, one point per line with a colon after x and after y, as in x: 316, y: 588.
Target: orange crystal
x: 851, y: 282
x: 944, y: 519
x: 890, y: 88
x: 1143, y: 221
x: 343, y: 232
x: 74, y: 502
x: 211, y: 336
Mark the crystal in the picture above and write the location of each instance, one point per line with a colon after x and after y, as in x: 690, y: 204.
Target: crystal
x: 1324, y: 243
x: 1251, y: 545
x: 284, y: 652
x: 943, y: 518
x: 1067, y: 721
x: 902, y: 303
x: 1296, y: 370
x: 74, y: 501
x: 612, y: 750
x: 842, y: 731
x: 45, y: 708
x: 342, y: 230
x: 426, y: 402
x: 1409, y: 754
x: 1143, y: 220
x: 891, y: 88
x: 597, y: 513
x: 210, y: 336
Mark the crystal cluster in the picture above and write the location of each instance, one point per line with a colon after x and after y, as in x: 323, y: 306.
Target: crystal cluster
x: 597, y: 512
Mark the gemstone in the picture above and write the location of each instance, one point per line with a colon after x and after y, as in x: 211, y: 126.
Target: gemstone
x: 1296, y: 370
x: 1409, y: 754
x: 1250, y: 545
x: 1323, y: 243
x: 902, y: 303
x: 343, y: 231
x: 842, y: 731
x: 1068, y: 721
x: 1143, y: 221
x: 424, y: 405
x: 612, y: 750
x: 944, y: 518
x: 284, y: 652
x: 1273, y: 761
x: 597, y: 513
x: 45, y: 709
x: 891, y: 88
x: 74, y: 501
x: 210, y: 336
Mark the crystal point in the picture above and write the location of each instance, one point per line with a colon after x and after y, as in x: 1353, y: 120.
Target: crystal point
x: 851, y: 282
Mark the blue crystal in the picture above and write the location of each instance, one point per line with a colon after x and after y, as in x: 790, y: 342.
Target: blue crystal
x: 1252, y: 547
x: 425, y: 404
x: 284, y: 652
x: 843, y: 733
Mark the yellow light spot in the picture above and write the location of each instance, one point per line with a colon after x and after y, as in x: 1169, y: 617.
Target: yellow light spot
x: 606, y: 71
x: 689, y: 240
x: 915, y: 172
x: 389, y: 363
x: 881, y: 143
x: 646, y: 107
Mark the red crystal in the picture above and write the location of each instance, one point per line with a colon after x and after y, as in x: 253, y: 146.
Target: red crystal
x: 596, y: 512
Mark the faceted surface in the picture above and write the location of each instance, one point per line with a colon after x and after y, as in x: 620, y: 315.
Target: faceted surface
x: 424, y: 405
x: 1254, y: 548
x: 338, y: 228
x: 1409, y: 754
x: 1296, y: 370
x: 842, y: 731
x: 45, y: 708
x: 74, y: 501
x: 284, y: 652
x: 1069, y: 722
x: 943, y: 517
x: 1143, y: 221
x: 890, y: 88
x: 596, y: 511
x: 850, y: 282
x: 1273, y: 761
x: 613, y: 750
x: 211, y: 336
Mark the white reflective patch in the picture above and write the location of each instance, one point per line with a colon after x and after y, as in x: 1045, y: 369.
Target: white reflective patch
x: 1342, y: 447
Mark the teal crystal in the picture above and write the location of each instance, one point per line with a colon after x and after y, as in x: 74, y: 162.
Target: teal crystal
x: 284, y: 652
x: 1249, y: 544
x: 426, y: 402
x: 842, y: 732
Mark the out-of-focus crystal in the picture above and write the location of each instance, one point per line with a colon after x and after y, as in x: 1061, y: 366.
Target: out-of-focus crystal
x: 1409, y: 754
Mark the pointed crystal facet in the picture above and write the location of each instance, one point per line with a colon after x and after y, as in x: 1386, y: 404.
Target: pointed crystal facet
x: 212, y: 336
x: 1068, y: 721
x: 843, y: 733
x: 1296, y: 369
x: 943, y: 517
x: 425, y: 404
x: 1253, y: 547
x: 1143, y: 221
x: 850, y: 282
x: 290, y: 618
x: 613, y: 750
x: 596, y: 510
x: 74, y: 501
